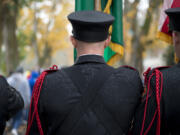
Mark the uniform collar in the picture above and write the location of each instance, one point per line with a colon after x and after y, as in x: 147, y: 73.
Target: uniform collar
x: 90, y: 59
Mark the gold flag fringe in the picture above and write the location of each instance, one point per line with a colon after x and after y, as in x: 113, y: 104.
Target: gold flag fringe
x: 117, y: 48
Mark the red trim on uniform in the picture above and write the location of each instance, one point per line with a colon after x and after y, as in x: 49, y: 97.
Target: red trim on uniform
x: 126, y: 66
x: 35, y: 98
x: 159, y: 77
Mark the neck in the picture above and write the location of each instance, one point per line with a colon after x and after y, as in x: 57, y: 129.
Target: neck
x: 92, y: 49
x: 79, y: 53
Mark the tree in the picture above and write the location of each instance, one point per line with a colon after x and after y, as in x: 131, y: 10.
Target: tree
x: 46, y: 35
x: 8, y: 15
x: 139, y: 34
x: 9, y: 11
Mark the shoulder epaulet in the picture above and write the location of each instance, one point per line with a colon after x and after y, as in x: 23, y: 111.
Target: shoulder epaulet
x: 52, y: 69
x: 35, y: 98
x: 150, y: 71
x: 129, y: 67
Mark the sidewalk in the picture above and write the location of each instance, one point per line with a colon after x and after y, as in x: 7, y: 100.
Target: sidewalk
x: 21, y: 130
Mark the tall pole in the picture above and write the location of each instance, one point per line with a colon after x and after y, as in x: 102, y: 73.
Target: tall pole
x: 97, y: 5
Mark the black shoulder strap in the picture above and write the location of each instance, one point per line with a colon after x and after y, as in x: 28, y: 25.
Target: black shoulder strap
x: 93, y: 87
x: 88, y: 99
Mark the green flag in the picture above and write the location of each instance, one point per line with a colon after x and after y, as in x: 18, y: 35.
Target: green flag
x: 115, y: 50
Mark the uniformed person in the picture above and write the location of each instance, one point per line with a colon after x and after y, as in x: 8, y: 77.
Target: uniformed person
x: 10, y: 103
x: 168, y: 120
x: 89, y: 97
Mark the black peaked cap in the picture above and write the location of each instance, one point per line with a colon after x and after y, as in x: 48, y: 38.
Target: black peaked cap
x: 90, y: 26
x: 174, y: 18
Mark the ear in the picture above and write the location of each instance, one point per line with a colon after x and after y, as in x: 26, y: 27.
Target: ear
x: 73, y: 41
x: 107, y: 41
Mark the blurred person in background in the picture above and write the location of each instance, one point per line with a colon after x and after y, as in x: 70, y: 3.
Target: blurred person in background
x: 32, y: 79
x: 20, y: 82
x: 10, y: 103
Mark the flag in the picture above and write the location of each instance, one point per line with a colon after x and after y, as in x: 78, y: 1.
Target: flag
x: 163, y: 30
x: 115, y: 50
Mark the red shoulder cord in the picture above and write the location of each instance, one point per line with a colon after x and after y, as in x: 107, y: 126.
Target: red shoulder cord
x: 159, y: 86
x: 126, y: 66
x: 34, y: 101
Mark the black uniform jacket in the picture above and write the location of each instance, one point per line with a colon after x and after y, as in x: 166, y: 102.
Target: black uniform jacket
x: 10, y: 103
x: 119, y: 96
x: 170, y: 104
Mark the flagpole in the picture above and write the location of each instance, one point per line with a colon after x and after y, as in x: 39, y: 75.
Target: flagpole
x: 97, y: 5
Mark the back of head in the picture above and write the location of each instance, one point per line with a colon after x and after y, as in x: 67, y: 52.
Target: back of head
x: 19, y: 70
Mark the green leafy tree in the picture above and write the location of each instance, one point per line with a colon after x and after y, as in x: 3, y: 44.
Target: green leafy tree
x: 9, y: 11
